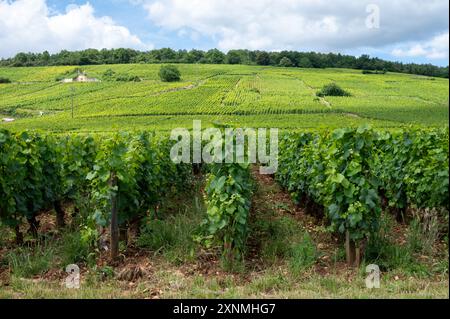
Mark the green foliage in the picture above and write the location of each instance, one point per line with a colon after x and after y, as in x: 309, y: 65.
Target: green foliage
x: 111, y: 75
x: 277, y: 235
x: 171, y: 236
x: 228, y: 198
x: 332, y: 89
x: 4, y: 80
x: 305, y: 63
x: 144, y: 172
x: 373, y: 72
x: 248, y: 96
x: 346, y: 171
x: 159, y: 234
x: 108, y: 74
x: 413, y: 166
x: 105, y: 272
x: 167, y: 55
x: 382, y: 250
x: 228, y: 192
x: 129, y: 78
x: 30, y: 175
x: 427, y: 176
x: 233, y: 57
x: 303, y: 255
x: 415, y: 237
x: 169, y: 232
x: 26, y: 262
x: 423, y: 233
x: 69, y: 74
x: 214, y: 56
x: 262, y: 58
x: 78, y: 156
x: 37, y: 170
x: 350, y: 191
x: 74, y: 249
x: 169, y: 73
x: 286, y: 62
x: 282, y: 238
x: 5, y: 235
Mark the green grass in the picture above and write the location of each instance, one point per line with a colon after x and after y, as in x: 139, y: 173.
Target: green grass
x: 384, y: 251
x: 171, y: 234
x: 303, y: 255
x: 48, y: 253
x: 286, y: 269
x: 271, y: 283
x: 26, y: 262
x: 244, y: 95
x: 74, y: 250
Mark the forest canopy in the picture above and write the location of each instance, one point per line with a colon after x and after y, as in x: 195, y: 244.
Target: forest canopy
x: 214, y: 56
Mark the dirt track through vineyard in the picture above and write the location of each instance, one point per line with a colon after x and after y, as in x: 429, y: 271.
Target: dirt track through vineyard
x: 270, y: 196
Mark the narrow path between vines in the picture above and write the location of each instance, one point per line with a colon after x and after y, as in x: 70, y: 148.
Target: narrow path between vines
x: 272, y: 203
x: 173, y: 270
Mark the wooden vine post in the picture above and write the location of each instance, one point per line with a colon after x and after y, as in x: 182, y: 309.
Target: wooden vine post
x: 114, y: 218
x: 19, y: 235
x: 352, y: 251
x: 60, y: 214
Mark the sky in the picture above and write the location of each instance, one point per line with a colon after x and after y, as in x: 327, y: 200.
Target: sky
x: 398, y: 30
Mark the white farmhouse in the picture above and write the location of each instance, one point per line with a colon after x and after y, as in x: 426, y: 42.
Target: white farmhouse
x: 82, y: 78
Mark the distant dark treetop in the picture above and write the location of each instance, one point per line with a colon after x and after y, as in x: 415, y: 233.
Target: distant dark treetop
x: 214, y: 56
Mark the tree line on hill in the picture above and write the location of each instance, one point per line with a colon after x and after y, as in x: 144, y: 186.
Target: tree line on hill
x: 214, y: 56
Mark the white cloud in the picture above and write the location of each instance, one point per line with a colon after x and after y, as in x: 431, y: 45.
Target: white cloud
x: 29, y: 25
x: 436, y: 48
x: 301, y: 24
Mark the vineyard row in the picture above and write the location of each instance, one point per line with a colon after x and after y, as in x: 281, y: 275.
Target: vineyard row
x: 348, y: 176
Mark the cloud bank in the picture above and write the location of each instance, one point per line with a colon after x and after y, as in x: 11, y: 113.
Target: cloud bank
x: 436, y: 48
x: 409, y: 29
x: 29, y: 25
x: 309, y: 24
